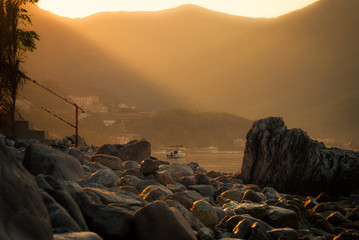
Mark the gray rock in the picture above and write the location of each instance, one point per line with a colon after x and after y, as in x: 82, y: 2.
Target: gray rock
x: 17, y: 154
x: 108, y: 149
x: 156, y: 221
x: 176, y: 187
x: 77, y: 236
x: 61, y: 220
x: 23, y: 214
x: 195, y: 223
x: 164, y: 177
x: 202, y: 179
x: 233, y: 221
x: 178, y: 170
x: 110, y: 222
x: 137, y: 151
x: 258, y: 233
x: 77, y: 153
x: 290, y: 161
x: 106, y: 178
x: 289, y: 233
x: 253, y: 196
x: 204, y: 190
x: 256, y: 210
x: 149, y: 166
x: 120, y: 196
x: 68, y: 203
x: 43, y: 160
x: 205, y: 234
x: 233, y: 194
x: 281, y: 217
x: 270, y: 193
x: 205, y: 212
x: 131, y: 180
x: 155, y: 192
x: 337, y: 219
x: 112, y: 162
x: 242, y: 229
x: 354, y: 215
x: 130, y: 165
x: 349, y: 234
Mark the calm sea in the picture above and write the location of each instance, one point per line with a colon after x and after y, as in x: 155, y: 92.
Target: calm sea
x: 221, y: 162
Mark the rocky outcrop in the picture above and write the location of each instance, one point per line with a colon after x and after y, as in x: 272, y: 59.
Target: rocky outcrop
x: 155, y: 199
x: 292, y: 162
x: 23, y: 215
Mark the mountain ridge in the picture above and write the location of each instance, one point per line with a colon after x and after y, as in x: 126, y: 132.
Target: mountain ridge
x: 284, y: 66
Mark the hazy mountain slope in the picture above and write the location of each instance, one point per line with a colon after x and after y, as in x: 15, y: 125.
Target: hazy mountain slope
x: 83, y: 68
x: 297, y: 65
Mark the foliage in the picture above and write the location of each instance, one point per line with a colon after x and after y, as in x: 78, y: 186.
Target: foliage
x: 192, y: 129
x: 14, y: 43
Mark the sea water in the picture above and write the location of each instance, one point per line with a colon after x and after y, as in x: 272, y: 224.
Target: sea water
x: 228, y: 162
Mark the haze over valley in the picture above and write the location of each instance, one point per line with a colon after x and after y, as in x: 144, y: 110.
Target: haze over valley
x: 302, y: 66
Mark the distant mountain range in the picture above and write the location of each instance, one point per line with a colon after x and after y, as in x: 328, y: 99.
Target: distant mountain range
x: 303, y: 66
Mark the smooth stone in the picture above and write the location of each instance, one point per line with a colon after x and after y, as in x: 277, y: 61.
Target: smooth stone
x: 205, y: 212
x: 156, y: 221
x: 112, y: 162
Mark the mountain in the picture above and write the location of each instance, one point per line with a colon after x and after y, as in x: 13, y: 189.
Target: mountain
x: 302, y: 65
x: 193, y: 129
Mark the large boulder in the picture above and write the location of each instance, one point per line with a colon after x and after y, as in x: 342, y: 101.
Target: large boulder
x: 49, y: 161
x: 61, y: 220
x: 136, y: 151
x: 205, y: 212
x: 112, y: 162
x: 105, y: 177
x: 156, y: 221
x: 290, y: 161
x: 110, y: 222
x: 23, y: 215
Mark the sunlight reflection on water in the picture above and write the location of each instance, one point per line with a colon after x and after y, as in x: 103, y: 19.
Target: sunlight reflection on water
x: 220, y: 162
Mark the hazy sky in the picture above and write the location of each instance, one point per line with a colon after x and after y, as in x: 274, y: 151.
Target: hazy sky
x: 251, y: 8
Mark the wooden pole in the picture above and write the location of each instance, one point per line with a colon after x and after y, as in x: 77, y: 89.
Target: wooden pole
x: 77, y: 127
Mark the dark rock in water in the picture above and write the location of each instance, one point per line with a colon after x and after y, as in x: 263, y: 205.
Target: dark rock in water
x: 61, y: 220
x: 44, y: 160
x: 137, y: 151
x: 23, y: 215
x: 156, y: 221
x: 290, y: 161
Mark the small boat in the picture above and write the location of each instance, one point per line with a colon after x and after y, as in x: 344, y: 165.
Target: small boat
x: 176, y: 153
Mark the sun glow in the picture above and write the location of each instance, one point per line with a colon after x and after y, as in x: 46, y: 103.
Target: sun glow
x: 250, y: 8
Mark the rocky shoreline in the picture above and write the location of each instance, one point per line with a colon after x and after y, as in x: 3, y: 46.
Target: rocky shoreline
x: 121, y: 192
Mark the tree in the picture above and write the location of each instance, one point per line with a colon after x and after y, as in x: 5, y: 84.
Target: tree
x: 14, y: 43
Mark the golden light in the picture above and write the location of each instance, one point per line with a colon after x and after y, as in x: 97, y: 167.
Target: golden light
x: 250, y: 8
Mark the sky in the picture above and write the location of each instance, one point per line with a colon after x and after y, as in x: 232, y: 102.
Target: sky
x: 249, y: 8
